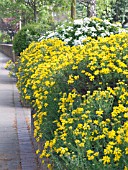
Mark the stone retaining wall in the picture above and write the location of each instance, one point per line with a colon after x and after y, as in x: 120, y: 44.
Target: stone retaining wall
x: 7, y: 49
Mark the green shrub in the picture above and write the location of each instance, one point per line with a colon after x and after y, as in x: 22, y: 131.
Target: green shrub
x: 24, y: 37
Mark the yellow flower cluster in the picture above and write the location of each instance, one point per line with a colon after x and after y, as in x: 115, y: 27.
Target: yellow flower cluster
x: 94, y: 133
x: 11, y: 67
x: 80, y: 97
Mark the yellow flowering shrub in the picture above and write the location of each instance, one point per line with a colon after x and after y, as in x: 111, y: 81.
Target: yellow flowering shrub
x: 80, y: 98
x: 11, y: 67
x: 93, y: 134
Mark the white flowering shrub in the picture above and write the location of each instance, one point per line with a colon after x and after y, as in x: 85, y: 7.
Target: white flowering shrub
x: 75, y: 32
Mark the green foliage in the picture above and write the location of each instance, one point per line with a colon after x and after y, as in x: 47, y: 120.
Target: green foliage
x: 5, y: 38
x: 46, y: 21
x: 81, y: 10
x: 24, y: 37
x: 111, y: 9
x: 9, y: 9
x: 120, y: 11
x: 104, y: 9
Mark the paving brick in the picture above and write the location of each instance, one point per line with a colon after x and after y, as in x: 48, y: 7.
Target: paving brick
x: 16, y: 149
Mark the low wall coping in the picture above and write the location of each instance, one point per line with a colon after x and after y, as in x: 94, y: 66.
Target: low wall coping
x: 7, y: 49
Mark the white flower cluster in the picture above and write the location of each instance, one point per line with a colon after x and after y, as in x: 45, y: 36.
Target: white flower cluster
x: 74, y: 33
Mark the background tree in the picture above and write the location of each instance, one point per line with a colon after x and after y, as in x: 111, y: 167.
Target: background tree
x: 89, y: 7
x: 120, y: 11
x: 73, y: 9
x: 48, y: 13
x: 34, y: 6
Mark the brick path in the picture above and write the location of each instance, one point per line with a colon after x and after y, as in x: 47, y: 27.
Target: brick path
x: 16, y: 148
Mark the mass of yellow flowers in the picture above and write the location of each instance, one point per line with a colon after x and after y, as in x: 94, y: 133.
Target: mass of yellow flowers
x: 80, y: 98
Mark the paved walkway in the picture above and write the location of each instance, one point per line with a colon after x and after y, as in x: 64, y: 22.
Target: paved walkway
x: 16, y: 148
